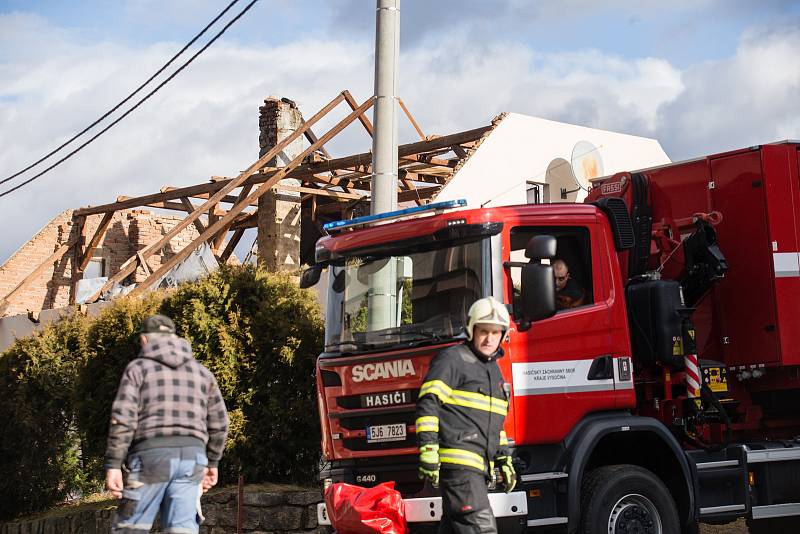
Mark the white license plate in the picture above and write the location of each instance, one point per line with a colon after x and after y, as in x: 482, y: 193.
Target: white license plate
x: 380, y: 433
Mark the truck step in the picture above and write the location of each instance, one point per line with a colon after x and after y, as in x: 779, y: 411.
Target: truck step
x: 722, y: 490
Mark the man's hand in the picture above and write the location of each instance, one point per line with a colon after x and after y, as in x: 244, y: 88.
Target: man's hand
x: 210, y: 479
x: 429, y: 463
x: 114, y: 482
x: 509, y: 475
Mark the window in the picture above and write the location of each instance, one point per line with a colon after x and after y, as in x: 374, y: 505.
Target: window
x: 537, y: 193
x: 572, y: 266
x: 429, y: 299
x: 95, y: 269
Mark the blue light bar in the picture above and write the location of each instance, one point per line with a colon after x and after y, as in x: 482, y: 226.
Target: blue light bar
x: 367, y: 219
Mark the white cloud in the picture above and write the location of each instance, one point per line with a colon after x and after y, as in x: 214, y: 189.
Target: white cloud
x: 205, y: 122
x: 588, y: 87
x: 744, y: 100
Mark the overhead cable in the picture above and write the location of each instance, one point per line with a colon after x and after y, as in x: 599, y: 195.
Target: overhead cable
x: 140, y: 102
x: 115, y: 108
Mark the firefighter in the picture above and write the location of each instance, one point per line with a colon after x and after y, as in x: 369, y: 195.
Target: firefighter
x: 460, y: 413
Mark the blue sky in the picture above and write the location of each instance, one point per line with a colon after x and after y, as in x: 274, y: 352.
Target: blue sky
x: 683, y: 33
x: 699, y: 75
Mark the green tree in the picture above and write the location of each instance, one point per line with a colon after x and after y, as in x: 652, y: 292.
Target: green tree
x: 40, y: 460
x: 257, y: 332
x: 112, y: 341
x: 260, y: 335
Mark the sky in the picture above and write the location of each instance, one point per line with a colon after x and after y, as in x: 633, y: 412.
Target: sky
x: 701, y: 76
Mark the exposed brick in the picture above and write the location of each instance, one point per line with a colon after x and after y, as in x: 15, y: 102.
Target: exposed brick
x: 129, y: 231
x: 279, y: 220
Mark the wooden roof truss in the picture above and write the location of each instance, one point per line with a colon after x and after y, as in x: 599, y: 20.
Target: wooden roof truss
x: 230, y: 204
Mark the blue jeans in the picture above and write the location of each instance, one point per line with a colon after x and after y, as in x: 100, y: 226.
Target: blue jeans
x: 166, y: 479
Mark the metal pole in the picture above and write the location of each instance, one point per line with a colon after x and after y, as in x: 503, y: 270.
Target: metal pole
x: 384, y: 142
x: 239, y: 504
x: 383, y: 290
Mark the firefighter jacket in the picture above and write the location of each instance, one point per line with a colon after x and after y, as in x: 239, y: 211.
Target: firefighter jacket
x: 462, y: 406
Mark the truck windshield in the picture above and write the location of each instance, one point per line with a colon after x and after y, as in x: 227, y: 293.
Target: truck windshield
x: 407, y: 298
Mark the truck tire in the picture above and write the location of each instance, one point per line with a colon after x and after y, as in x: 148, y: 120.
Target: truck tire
x: 616, y: 499
x: 773, y: 525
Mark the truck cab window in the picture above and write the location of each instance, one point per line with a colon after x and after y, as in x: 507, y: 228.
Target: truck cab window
x: 572, y: 267
x: 430, y: 292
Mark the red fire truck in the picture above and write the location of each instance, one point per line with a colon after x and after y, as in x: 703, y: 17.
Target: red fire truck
x: 668, y: 395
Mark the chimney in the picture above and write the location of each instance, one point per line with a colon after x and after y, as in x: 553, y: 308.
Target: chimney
x: 279, y: 212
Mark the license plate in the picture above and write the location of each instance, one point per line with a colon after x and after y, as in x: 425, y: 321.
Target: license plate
x: 387, y: 398
x: 382, y: 433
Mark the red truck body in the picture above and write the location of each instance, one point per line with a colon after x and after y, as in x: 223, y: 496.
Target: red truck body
x: 585, y: 398
x: 757, y: 191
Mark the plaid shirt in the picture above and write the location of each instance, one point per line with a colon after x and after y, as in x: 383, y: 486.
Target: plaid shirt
x: 165, y: 393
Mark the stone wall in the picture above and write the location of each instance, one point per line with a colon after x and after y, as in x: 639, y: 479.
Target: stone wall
x: 276, y: 510
x: 129, y: 231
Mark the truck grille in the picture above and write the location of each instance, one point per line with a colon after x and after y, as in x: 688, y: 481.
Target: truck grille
x: 371, y: 390
x: 360, y: 444
x: 360, y: 422
x: 353, y: 402
x: 354, y: 417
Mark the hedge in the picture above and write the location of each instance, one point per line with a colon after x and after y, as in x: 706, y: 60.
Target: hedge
x: 256, y: 331
x: 39, y: 449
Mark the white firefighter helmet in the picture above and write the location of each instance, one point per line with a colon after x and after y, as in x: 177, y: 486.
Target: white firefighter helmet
x: 487, y: 311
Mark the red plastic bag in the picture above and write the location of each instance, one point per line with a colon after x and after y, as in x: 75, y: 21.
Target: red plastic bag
x: 356, y: 510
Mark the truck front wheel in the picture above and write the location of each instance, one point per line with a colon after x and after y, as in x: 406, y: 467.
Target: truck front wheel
x: 626, y: 499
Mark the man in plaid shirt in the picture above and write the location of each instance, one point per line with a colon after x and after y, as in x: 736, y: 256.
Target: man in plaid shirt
x: 168, y: 429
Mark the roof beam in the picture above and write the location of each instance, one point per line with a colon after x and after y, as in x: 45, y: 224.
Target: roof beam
x: 98, y: 235
x: 228, y: 219
x: 130, y: 266
x: 54, y: 257
x: 411, y: 118
x: 409, y: 151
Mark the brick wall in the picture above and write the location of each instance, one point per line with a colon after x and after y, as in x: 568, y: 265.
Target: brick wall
x: 279, y: 213
x: 129, y: 231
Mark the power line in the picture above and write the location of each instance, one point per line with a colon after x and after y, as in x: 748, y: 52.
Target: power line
x: 140, y: 102
x: 115, y: 108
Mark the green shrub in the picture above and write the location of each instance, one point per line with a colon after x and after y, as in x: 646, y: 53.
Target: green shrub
x: 257, y: 332
x: 112, y: 340
x: 260, y: 336
x: 40, y: 461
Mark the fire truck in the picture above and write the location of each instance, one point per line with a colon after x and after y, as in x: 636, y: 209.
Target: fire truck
x: 668, y: 395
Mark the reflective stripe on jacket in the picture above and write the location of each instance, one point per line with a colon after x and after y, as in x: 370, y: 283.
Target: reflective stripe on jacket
x: 462, y: 406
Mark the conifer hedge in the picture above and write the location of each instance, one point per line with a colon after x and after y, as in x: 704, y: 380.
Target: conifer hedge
x: 256, y: 331
x: 40, y: 445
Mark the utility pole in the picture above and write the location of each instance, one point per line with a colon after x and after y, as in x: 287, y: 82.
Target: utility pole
x: 383, y: 284
x: 384, y: 142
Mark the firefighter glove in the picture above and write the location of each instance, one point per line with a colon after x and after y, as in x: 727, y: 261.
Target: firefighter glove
x: 429, y: 463
x: 509, y: 475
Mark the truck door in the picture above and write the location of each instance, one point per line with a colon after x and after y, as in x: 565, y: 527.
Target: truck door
x: 738, y: 193
x: 551, y: 361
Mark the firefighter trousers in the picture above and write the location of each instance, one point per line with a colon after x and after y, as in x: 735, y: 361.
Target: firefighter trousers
x: 465, y: 503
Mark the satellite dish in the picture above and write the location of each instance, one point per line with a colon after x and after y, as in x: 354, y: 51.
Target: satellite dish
x: 586, y: 163
x: 560, y: 182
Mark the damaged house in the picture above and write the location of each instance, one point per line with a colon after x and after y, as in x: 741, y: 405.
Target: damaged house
x: 91, y: 253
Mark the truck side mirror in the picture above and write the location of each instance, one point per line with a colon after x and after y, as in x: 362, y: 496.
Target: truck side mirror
x: 310, y: 276
x: 540, y: 247
x: 538, y: 290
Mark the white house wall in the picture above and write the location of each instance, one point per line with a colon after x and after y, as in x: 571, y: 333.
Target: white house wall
x: 520, y: 148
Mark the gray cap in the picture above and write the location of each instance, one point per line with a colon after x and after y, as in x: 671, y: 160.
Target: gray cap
x: 157, y: 324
